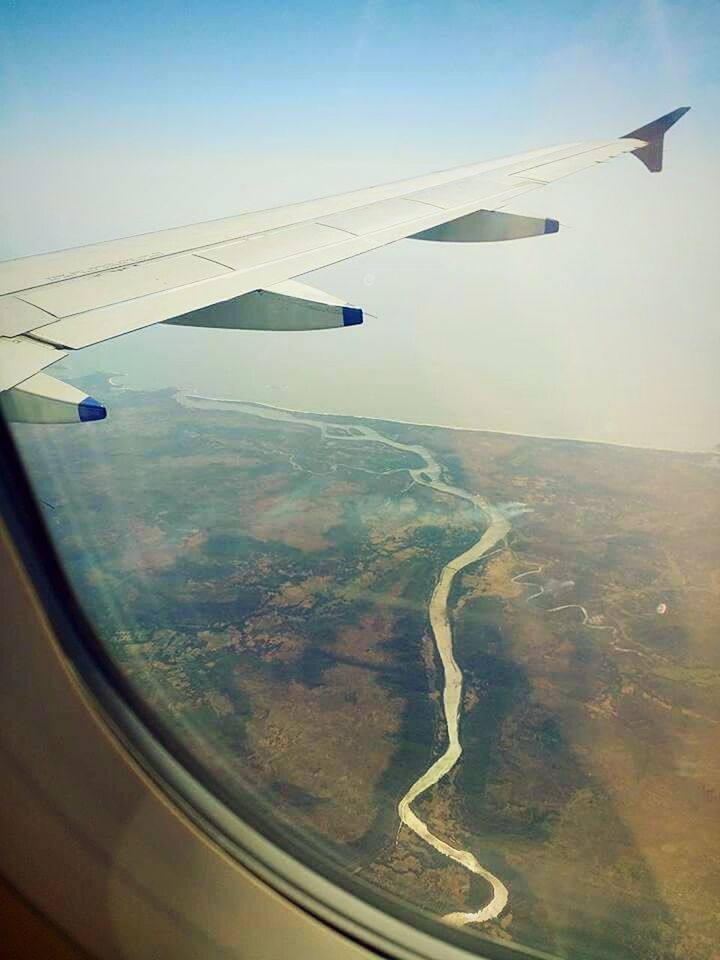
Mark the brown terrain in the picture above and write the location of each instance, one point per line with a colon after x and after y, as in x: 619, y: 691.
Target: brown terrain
x: 278, y: 624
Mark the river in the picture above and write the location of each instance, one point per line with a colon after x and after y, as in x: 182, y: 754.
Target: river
x: 496, y: 529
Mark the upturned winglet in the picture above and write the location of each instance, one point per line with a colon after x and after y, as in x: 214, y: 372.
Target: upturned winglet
x: 653, y: 133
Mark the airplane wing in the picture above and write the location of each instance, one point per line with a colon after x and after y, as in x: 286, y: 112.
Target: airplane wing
x: 240, y: 272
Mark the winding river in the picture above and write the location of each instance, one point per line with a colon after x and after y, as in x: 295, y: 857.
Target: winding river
x: 587, y: 621
x: 497, y: 527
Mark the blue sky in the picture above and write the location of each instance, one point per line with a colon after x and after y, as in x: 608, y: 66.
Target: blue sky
x: 135, y: 69
x: 122, y: 118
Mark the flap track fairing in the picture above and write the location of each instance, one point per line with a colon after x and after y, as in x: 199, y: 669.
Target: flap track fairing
x: 287, y: 306
x: 488, y: 225
x: 43, y: 399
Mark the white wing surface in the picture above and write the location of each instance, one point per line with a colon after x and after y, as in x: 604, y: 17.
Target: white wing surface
x: 208, y: 274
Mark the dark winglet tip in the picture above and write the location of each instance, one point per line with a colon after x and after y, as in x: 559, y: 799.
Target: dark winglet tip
x: 670, y: 118
x: 656, y: 129
x: 651, y: 153
x: 551, y: 226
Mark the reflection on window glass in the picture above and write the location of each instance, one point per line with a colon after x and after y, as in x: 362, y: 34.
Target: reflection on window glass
x: 479, y: 670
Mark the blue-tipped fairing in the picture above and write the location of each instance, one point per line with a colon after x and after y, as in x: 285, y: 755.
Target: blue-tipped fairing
x: 551, y: 226
x: 352, y: 316
x: 91, y: 409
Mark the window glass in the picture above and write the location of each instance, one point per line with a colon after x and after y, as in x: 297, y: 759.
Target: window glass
x: 437, y: 594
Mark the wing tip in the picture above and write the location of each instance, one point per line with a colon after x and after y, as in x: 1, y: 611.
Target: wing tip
x: 653, y: 133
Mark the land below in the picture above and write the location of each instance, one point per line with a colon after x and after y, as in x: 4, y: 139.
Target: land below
x: 266, y: 584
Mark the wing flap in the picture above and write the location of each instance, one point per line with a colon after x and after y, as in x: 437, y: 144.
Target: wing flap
x: 21, y: 357
x: 448, y: 196
x: 377, y: 216
x: 550, y: 170
x: 275, y: 245
x: 18, y: 317
x: 68, y: 297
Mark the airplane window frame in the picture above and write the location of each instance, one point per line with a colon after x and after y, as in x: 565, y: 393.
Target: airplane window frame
x: 360, y: 913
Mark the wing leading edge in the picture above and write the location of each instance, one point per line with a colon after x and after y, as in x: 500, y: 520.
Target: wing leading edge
x: 240, y: 272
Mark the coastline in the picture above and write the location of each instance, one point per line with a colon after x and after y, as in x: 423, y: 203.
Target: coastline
x: 447, y: 426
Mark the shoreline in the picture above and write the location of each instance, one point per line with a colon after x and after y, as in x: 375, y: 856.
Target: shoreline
x: 446, y: 426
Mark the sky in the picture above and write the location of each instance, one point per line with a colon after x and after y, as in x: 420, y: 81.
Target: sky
x: 121, y: 118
